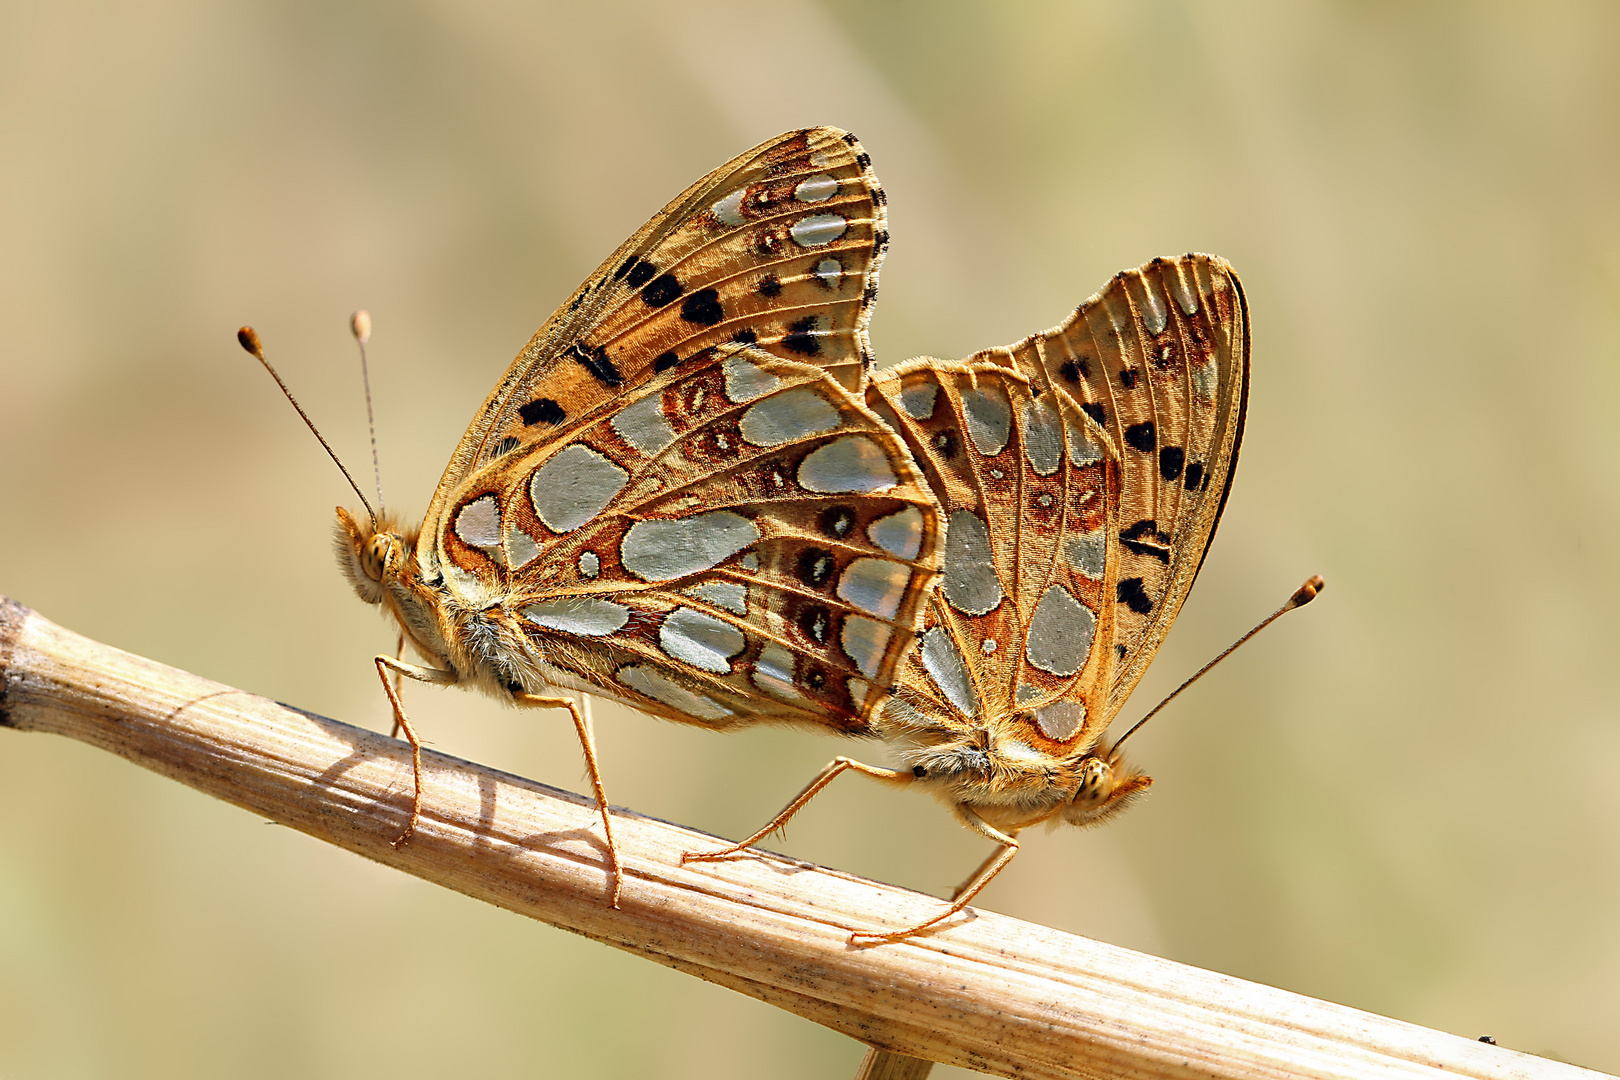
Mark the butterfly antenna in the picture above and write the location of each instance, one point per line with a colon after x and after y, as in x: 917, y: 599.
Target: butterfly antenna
x: 360, y: 327
x: 1306, y: 593
x: 249, y: 340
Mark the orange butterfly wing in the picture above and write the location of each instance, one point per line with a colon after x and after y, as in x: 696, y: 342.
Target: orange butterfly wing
x: 673, y: 486
x: 1159, y: 358
x: 1081, y: 474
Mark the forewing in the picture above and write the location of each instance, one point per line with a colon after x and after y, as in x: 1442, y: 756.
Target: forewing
x: 1159, y: 359
x: 1020, y: 628
x: 741, y: 540
x: 779, y: 247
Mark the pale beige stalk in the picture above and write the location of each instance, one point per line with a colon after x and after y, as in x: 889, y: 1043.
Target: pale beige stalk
x: 986, y: 992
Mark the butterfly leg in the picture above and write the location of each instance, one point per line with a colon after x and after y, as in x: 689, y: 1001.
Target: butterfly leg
x: 987, y: 870
x: 387, y: 665
x: 823, y: 778
x: 399, y: 654
x: 984, y: 868
x: 582, y: 727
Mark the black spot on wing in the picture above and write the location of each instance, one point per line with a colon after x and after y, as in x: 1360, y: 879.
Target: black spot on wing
x: 666, y: 361
x: 638, y: 272
x: 745, y: 336
x: 661, y: 291
x: 801, y: 337
x: 1195, y: 475
x: 815, y: 623
x: 597, y: 363
x: 770, y: 286
x: 1144, y: 538
x: 702, y: 308
x: 837, y: 521
x: 1141, y: 436
x: 1171, y: 459
x: 1095, y: 411
x: 1133, y: 596
x: 815, y: 567
x: 1128, y: 377
x: 542, y: 411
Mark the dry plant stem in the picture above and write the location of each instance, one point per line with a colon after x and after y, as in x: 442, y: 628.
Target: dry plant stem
x: 882, y: 1065
x: 983, y: 991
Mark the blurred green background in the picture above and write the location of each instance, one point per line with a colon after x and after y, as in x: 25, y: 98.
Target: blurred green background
x: 1403, y: 799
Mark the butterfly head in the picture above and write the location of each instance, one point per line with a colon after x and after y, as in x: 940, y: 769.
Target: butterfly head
x: 372, y: 555
x: 1107, y: 786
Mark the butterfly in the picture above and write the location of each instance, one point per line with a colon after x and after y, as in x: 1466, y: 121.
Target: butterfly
x: 676, y: 496
x: 1081, y: 474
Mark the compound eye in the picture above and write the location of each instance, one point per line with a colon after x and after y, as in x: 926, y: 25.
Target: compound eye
x: 376, y: 557
x: 1096, y: 774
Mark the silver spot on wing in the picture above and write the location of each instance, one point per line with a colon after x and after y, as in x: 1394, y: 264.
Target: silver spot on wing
x: 729, y: 209
x: 661, y: 549
x: 746, y: 380
x: 582, y: 616
x: 1060, y: 633
x: 918, y: 400
x: 574, y: 486
x: 816, y: 189
x: 700, y: 640
x: 970, y: 583
x: 643, y: 424
x: 989, y: 418
x: 851, y: 464
x: 944, y: 665
x: 650, y: 683
x: 479, y: 523
x: 722, y: 594
x: 792, y: 414
x: 1087, y: 553
x: 773, y: 673
x: 875, y: 585
x: 1061, y: 719
x: 900, y: 533
x: 865, y: 641
x: 817, y: 230
x: 1043, y: 435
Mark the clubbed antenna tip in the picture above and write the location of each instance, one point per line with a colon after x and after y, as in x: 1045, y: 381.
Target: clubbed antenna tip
x: 1302, y: 596
x: 360, y: 327
x: 1307, y: 592
x: 248, y: 338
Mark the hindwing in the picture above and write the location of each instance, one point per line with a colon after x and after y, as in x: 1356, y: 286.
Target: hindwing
x: 1018, y: 637
x: 1159, y: 360
x: 741, y: 540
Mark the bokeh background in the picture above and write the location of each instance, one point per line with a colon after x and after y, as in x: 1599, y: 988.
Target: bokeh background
x: 1402, y: 799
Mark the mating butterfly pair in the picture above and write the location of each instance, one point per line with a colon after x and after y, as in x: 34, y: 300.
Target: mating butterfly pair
x: 690, y: 494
